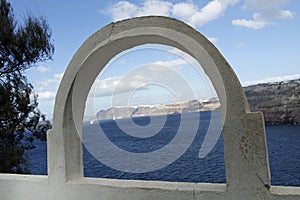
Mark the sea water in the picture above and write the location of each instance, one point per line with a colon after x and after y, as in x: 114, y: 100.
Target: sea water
x: 283, y: 147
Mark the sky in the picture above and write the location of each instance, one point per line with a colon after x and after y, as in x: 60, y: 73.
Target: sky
x: 259, y: 38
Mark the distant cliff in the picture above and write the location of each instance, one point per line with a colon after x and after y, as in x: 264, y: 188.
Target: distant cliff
x: 176, y: 107
x: 279, y: 102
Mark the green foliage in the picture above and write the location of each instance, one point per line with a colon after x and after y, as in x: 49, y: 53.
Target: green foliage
x: 16, y: 107
x: 21, y: 47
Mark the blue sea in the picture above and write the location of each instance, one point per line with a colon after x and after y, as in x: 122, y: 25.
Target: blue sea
x: 283, y: 147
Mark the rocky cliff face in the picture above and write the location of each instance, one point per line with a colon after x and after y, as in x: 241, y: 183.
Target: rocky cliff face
x: 279, y: 102
x: 177, y: 107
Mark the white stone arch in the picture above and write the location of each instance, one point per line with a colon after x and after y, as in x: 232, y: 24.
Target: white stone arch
x: 245, y: 152
x: 96, y: 52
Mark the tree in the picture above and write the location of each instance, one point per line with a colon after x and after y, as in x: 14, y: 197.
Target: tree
x: 22, y: 46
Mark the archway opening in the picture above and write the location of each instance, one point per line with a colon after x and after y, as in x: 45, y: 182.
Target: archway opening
x: 155, y: 104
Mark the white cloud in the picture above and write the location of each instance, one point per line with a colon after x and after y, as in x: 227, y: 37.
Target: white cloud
x: 113, y: 85
x: 124, y: 9
x: 155, y: 7
x: 184, y: 10
x: 187, y: 11
x: 46, y: 95
x: 52, y: 81
x: 266, y: 11
x: 273, y: 79
x: 213, y: 10
x: 255, y: 23
x: 264, y: 4
x: 213, y: 39
x: 42, y: 69
x: 140, y: 77
x: 46, y: 89
x: 59, y: 76
x: 171, y: 63
x: 270, y: 11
